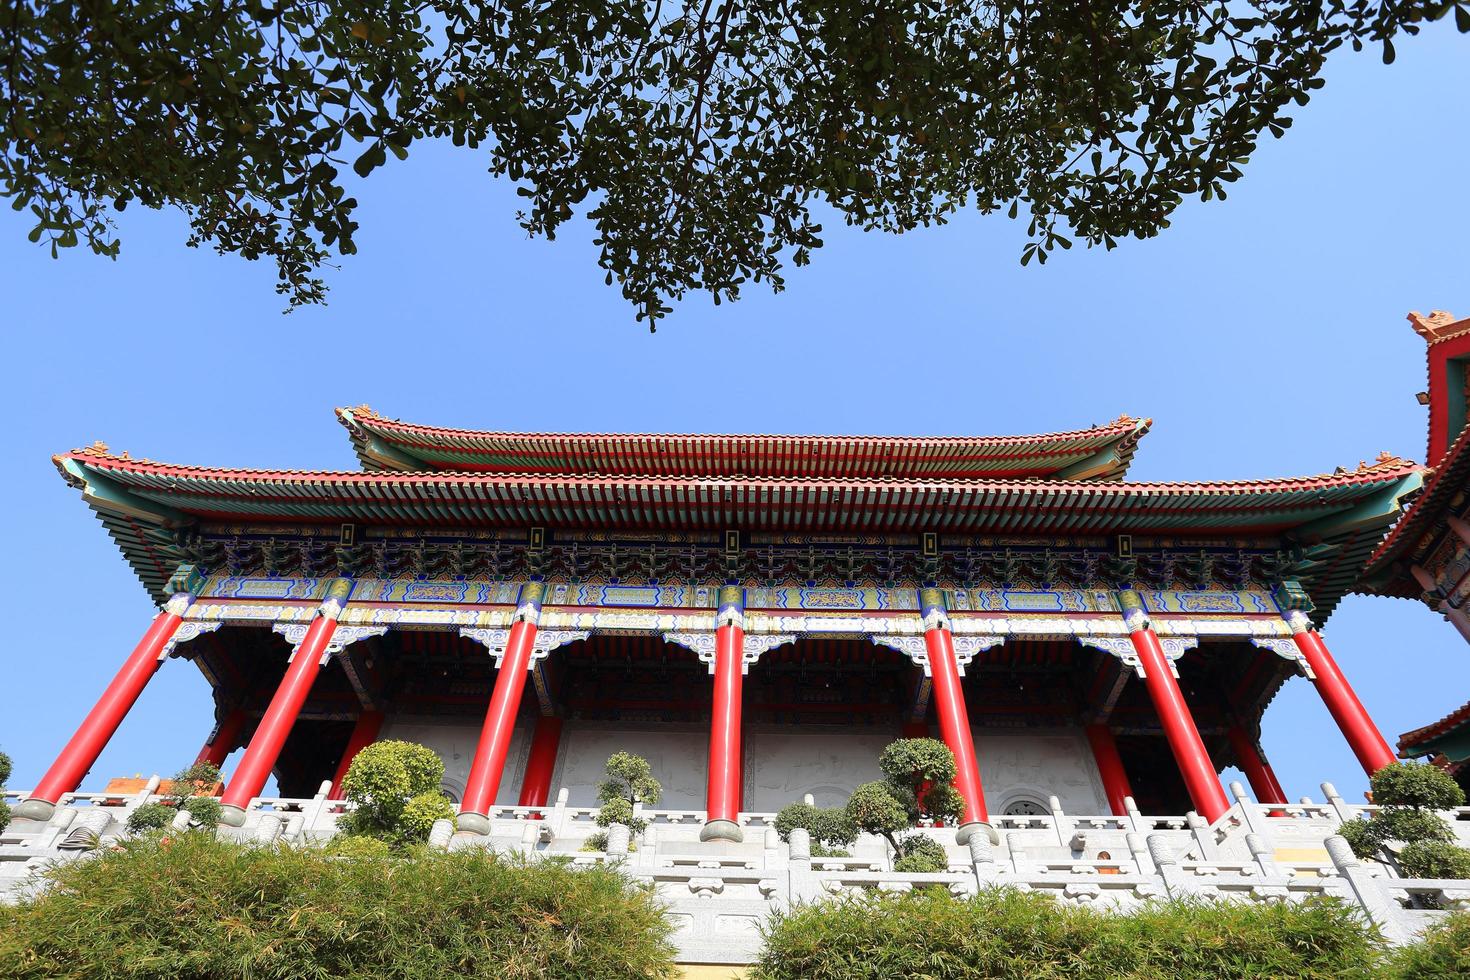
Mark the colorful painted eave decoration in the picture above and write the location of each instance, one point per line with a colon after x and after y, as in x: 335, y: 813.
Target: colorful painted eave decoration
x: 1337, y: 518
x: 1312, y: 506
x: 1098, y: 453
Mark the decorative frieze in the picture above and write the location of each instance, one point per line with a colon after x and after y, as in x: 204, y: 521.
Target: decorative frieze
x: 916, y: 649
x: 546, y: 641
x: 189, y: 629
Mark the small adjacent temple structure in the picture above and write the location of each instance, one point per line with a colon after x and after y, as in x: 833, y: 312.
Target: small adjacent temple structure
x: 1427, y: 555
x: 756, y: 615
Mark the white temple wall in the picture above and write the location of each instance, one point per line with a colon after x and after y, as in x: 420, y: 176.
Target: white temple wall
x: 455, y: 743
x: 1037, y: 764
x: 782, y: 764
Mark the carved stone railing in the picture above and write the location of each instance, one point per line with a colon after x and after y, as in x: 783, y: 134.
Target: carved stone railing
x: 718, y: 894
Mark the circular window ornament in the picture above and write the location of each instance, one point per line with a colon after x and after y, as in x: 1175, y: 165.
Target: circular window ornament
x: 1025, y: 808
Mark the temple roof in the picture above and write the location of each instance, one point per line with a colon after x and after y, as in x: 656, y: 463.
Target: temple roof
x: 1413, y: 536
x: 1386, y: 572
x: 1098, y: 453
x: 1450, y: 737
x: 1344, y: 513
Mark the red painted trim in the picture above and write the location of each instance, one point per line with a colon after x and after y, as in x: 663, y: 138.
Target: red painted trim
x: 954, y: 722
x: 364, y: 733
x: 97, y: 729
x: 500, y: 718
x: 1110, y: 768
x: 540, y: 762
x: 275, y: 725
x: 723, y: 789
x: 224, y: 740
x: 1362, y: 735
x: 1200, y: 775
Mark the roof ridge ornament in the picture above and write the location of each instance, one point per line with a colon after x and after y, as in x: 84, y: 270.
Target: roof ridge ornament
x: 1435, y: 327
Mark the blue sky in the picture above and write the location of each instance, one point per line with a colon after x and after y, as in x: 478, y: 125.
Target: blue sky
x: 1265, y: 336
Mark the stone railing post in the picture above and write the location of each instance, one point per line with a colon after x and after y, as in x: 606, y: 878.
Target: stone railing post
x: 1167, y: 865
x: 1139, y: 851
x: 440, y: 834
x: 982, y: 859
x: 1365, y: 889
x: 1341, y: 807
x: 268, y: 828
x: 618, y: 838
x: 1263, y: 854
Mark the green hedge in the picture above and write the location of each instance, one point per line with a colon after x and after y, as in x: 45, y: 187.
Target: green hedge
x: 1009, y: 934
x: 191, y: 906
x: 1443, y: 954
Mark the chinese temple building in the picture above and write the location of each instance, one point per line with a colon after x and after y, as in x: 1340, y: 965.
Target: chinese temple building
x: 756, y: 615
x: 1427, y: 555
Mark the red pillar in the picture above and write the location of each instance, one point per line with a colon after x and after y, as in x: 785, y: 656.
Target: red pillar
x: 1200, y: 776
x: 364, y: 733
x: 97, y: 729
x: 954, y: 720
x: 722, y: 795
x: 1110, y: 767
x: 1366, y: 741
x: 275, y: 725
x: 541, y: 762
x: 500, y: 718
x: 223, y: 740
x: 1252, y: 762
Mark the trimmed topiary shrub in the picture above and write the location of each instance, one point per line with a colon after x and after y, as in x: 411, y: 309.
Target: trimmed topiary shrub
x: 919, y: 784
x: 150, y: 816
x: 1004, y: 933
x: 831, y: 829
x: 629, y: 781
x: 200, y: 907
x: 1409, y: 793
x: 1434, y: 859
x: 394, y: 787
x: 1443, y: 953
x: 921, y: 855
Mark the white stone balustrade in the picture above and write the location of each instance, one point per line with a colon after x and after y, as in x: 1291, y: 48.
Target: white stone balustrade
x: 718, y: 893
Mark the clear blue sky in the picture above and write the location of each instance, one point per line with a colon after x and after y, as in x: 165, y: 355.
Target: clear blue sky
x: 1265, y: 336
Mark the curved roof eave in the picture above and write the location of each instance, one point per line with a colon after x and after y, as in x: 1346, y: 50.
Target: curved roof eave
x: 1095, y: 453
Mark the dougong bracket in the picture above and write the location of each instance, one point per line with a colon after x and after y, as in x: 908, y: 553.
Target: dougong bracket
x: 965, y: 649
x: 1121, y: 647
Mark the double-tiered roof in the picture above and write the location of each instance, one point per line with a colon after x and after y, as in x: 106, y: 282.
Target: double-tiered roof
x: 1058, y: 484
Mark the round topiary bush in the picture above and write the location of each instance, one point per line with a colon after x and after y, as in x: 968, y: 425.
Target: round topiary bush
x: 200, y: 907
x: 1434, y: 859
x: 394, y: 787
x: 150, y: 816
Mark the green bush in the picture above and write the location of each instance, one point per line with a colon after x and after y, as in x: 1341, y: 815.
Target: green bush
x: 4, y: 778
x: 210, y: 909
x: 355, y: 846
x: 204, y: 810
x: 394, y: 787
x: 1434, y: 859
x: 150, y: 816
x: 1417, y: 785
x: 629, y: 781
x: 1443, y: 953
x: 831, y: 829
x: 921, y: 855
x: 1408, y: 793
x: 1003, y: 933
